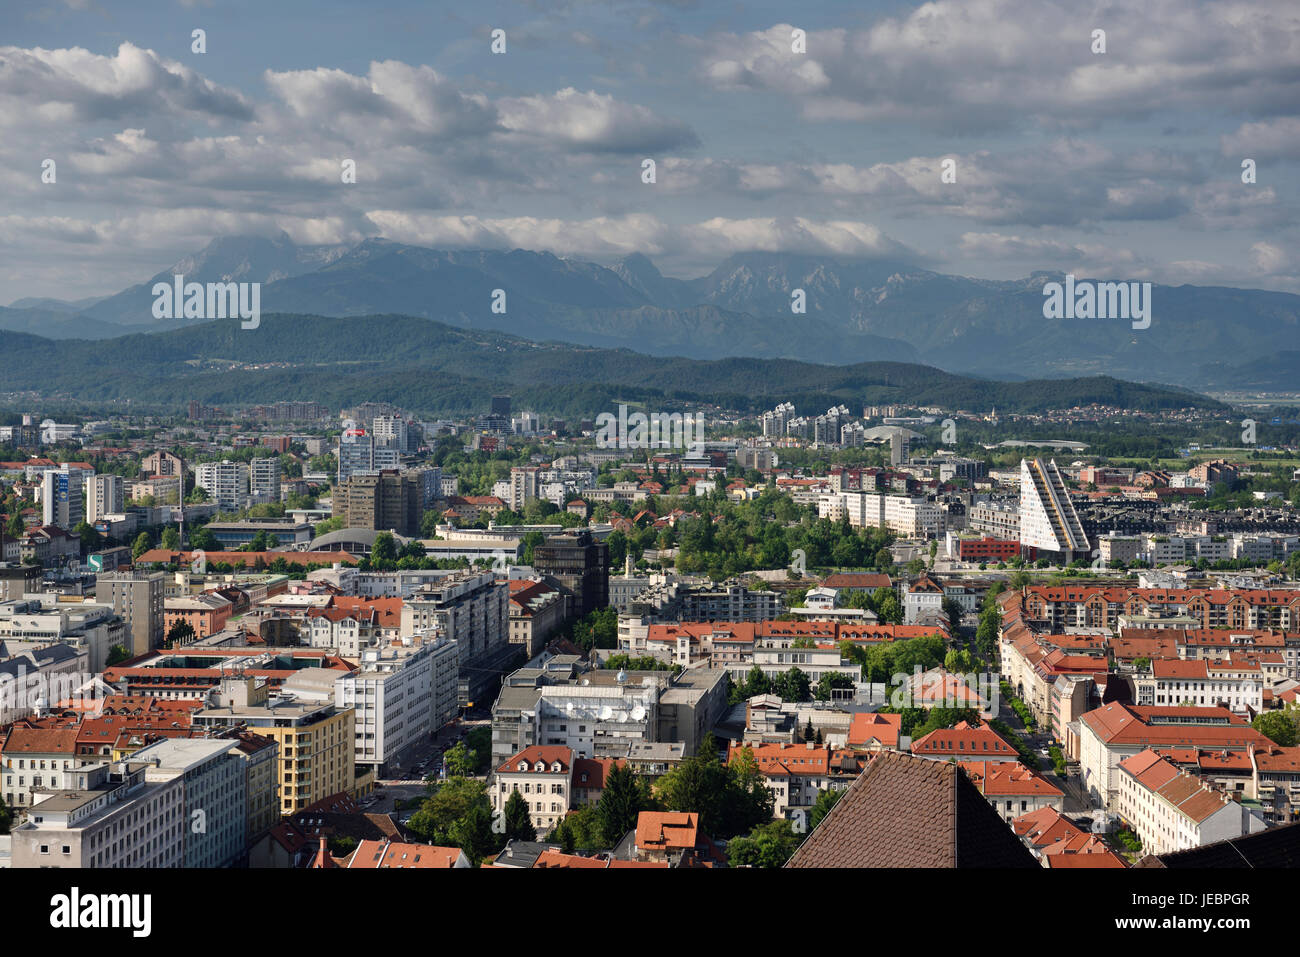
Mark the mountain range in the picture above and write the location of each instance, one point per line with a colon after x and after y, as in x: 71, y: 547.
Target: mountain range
x: 1201, y: 337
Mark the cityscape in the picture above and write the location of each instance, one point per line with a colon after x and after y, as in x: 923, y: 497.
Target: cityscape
x: 641, y: 436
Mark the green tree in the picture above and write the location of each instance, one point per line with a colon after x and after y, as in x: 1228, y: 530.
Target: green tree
x: 116, y: 655
x: 599, y: 629
x: 518, y: 823
x: 384, y: 549
x: 1277, y: 727
x: 88, y: 535
x: 180, y: 633
x: 768, y: 845
x: 620, y: 804
x: 141, y: 545
x: 461, y: 762
x: 170, y: 539
x: 458, y: 814
x: 826, y: 799
x: 959, y: 662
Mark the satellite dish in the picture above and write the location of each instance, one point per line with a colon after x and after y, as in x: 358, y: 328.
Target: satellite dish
x: 569, y: 707
x: 622, y: 676
x: 606, y: 713
x: 638, y: 713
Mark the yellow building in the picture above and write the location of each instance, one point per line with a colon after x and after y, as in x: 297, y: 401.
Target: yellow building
x: 316, y: 750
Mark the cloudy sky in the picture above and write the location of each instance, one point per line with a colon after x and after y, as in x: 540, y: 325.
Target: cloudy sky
x: 1125, y: 164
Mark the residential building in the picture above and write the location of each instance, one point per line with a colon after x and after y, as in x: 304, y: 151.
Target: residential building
x: 226, y: 483
x: 1171, y: 810
x: 137, y: 597
x: 105, y: 495
x: 543, y: 776
x: 315, y: 757
x: 1048, y: 520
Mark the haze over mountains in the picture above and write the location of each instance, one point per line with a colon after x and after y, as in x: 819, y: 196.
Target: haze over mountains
x: 857, y: 311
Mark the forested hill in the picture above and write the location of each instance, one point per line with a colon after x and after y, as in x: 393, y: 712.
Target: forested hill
x: 434, y: 368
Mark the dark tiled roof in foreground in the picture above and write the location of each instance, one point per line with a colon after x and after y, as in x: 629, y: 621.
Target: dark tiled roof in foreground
x: 1276, y: 847
x: 905, y: 811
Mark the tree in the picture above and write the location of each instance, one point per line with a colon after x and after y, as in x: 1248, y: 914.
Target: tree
x: 599, y: 629
x: 808, y: 733
x: 460, y: 761
x: 826, y: 799
x: 1277, y: 727
x: 458, y: 814
x: 619, y: 805
x: 141, y: 545
x: 170, y: 539
x: 116, y: 655
x: 830, y: 682
x: 768, y: 845
x: 518, y: 823
x: 181, y: 633
x: 887, y: 606
x: 959, y: 662
x: 384, y: 548
x: 792, y: 685
x: 89, y: 536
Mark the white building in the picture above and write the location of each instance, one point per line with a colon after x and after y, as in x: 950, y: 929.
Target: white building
x: 1048, y: 520
x: 215, y: 800
x: 111, y: 816
x: 61, y: 497
x: 1236, y: 685
x: 226, y: 483
x: 400, y: 695
x: 1171, y: 810
x: 264, y: 479
x: 105, y: 495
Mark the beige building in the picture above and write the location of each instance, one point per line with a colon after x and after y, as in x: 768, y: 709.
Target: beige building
x: 543, y: 775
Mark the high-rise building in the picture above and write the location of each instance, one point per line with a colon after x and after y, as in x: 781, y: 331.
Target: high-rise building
x: 61, y: 499
x: 360, y: 453
x: 390, y: 432
x: 1048, y: 520
x: 579, y: 565
x: 388, y: 500
x: 501, y: 406
x: 523, y: 486
x: 137, y: 598
x: 105, y: 495
x: 264, y: 478
x: 900, y: 448
x: 226, y: 483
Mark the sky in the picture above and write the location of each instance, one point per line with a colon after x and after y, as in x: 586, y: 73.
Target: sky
x: 1123, y: 164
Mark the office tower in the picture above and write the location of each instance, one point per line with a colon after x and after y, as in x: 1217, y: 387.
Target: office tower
x: 579, y: 565
x: 388, y: 500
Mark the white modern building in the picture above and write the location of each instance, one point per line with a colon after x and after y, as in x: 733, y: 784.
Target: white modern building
x: 1048, y: 520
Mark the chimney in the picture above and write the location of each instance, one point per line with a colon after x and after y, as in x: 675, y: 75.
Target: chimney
x: 323, y: 855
